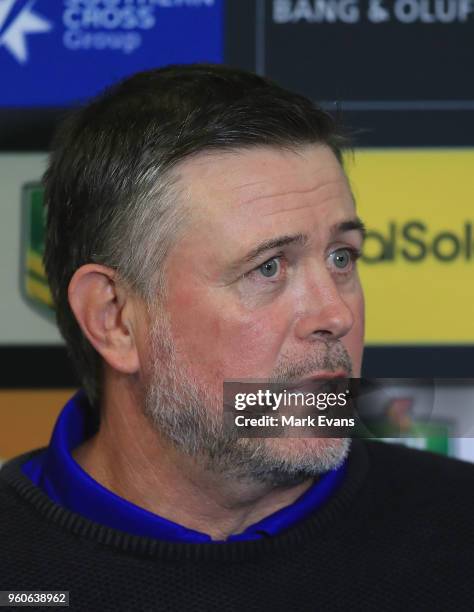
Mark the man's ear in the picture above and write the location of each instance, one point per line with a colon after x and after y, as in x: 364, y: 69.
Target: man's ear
x: 106, y: 314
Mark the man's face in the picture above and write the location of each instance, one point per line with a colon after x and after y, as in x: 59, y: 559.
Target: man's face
x: 262, y: 284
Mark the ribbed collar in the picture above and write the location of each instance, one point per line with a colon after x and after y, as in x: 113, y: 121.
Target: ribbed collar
x: 336, y: 507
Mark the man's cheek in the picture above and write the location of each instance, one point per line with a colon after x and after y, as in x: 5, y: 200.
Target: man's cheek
x: 251, y: 349
x: 221, y: 338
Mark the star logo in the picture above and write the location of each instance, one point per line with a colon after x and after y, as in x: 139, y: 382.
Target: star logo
x: 14, y: 28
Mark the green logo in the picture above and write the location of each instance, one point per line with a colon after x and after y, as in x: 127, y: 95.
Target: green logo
x: 433, y: 435
x: 34, y: 284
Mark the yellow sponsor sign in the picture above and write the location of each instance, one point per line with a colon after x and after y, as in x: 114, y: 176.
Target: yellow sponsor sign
x: 418, y: 264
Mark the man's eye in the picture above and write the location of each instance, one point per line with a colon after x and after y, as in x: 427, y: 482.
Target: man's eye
x: 270, y: 268
x: 344, y: 258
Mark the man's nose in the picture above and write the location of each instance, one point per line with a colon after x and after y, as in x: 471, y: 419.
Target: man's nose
x: 323, y: 312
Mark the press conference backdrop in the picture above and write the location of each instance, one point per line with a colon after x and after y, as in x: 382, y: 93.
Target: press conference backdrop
x: 397, y: 74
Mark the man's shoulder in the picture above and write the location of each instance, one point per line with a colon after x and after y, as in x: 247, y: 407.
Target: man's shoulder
x: 16, y: 490
x: 31, y: 527
x: 408, y: 458
x: 420, y: 477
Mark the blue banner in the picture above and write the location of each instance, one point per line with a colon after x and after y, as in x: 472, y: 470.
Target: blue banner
x: 59, y: 52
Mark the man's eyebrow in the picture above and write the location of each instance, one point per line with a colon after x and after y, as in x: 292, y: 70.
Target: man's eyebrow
x: 300, y: 239
x: 273, y: 243
x: 350, y: 225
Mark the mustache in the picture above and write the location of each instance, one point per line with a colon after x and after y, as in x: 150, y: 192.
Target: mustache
x: 328, y: 357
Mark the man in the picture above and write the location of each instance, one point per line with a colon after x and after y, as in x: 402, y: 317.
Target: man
x: 201, y: 228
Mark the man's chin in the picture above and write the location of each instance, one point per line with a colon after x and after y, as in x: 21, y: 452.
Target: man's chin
x: 330, y: 452
x: 289, y: 461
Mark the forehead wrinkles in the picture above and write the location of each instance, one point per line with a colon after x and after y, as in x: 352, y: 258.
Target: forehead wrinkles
x: 285, y: 193
x: 302, y: 181
x: 241, y: 180
x: 326, y: 192
x: 287, y: 183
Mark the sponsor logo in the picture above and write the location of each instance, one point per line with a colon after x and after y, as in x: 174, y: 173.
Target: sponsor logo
x: 16, y: 25
x: 115, y: 25
x: 433, y: 434
x: 103, y: 26
x: 34, y: 284
x: 413, y: 241
x: 86, y: 25
x: 74, y: 33
x: 374, y: 11
x: 419, y: 253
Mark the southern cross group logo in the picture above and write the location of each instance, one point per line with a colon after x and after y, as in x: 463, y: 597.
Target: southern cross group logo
x: 17, y: 20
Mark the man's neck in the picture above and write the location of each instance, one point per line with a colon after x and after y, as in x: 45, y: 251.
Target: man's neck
x: 128, y: 457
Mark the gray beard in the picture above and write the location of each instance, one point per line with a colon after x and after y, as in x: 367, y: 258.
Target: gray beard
x: 190, y: 417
